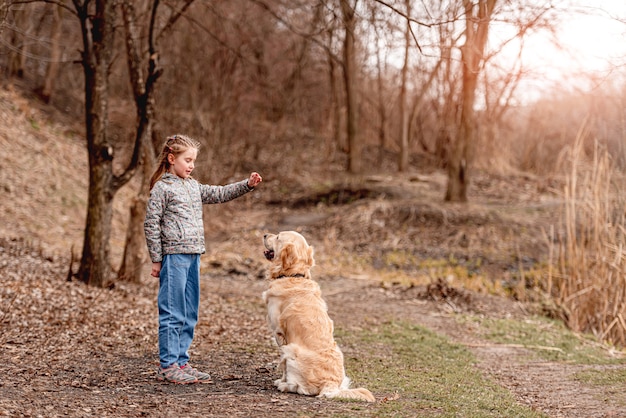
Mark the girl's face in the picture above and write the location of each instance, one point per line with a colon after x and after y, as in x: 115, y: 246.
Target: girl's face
x: 183, y: 165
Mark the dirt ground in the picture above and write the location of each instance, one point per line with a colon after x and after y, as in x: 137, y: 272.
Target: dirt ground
x: 71, y: 350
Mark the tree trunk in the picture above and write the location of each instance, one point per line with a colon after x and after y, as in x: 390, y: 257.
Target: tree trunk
x: 135, y: 253
x: 349, y: 74
x: 4, y: 11
x: 403, y: 161
x: 457, y: 165
x: 134, y: 247
x: 380, y: 84
x: 98, y: 42
x: 477, y: 18
x: 55, y: 53
x: 94, y: 265
x: 98, y: 33
x: 448, y: 124
x: 333, y: 141
x: 19, y: 47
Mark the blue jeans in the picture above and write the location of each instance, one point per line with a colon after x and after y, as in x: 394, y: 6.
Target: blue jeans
x: 178, y: 300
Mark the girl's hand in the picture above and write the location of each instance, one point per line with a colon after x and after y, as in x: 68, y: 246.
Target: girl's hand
x: 255, y: 178
x: 156, y: 269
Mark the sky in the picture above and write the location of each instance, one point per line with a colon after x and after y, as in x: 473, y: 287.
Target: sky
x: 589, y: 41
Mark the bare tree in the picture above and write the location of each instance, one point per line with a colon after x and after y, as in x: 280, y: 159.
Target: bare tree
x: 52, y: 68
x: 22, y: 18
x: 334, y: 113
x: 381, y: 53
x: 403, y: 161
x: 350, y: 85
x: 98, y: 33
x: 4, y: 10
x: 477, y: 19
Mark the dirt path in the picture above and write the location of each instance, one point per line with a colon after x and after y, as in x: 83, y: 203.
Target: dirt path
x: 544, y: 386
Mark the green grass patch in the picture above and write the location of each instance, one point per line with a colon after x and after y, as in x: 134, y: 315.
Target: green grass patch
x: 549, y: 339
x: 612, y: 378
x: 399, y: 259
x: 419, y: 373
x: 603, y: 377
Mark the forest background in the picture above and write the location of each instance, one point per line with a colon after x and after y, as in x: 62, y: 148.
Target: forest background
x: 344, y: 93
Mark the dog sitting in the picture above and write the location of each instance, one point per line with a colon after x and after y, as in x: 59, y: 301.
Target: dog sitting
x: 310, y: 360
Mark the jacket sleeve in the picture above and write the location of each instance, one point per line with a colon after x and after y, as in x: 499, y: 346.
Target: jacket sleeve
x: 221, y: 194
x: 152, y: 224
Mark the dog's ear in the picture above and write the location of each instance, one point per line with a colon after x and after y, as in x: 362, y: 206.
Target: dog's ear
x: 303, y: 256
x: 288, y: 256
x: 310, y: 261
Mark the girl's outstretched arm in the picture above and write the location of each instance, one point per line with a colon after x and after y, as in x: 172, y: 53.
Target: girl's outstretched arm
x: 220, y: 194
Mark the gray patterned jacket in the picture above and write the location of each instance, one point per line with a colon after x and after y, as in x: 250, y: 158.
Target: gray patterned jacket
x: 173, y: 222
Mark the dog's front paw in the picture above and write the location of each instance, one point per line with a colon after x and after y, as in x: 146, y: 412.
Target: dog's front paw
x: 284, y: 386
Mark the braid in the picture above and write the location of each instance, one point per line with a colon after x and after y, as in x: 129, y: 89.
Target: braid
x: 174, y: 145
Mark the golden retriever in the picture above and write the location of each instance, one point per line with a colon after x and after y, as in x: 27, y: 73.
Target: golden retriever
x: 310, y: 360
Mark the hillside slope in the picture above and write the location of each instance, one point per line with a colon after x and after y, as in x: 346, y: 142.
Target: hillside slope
x: 44, y: 177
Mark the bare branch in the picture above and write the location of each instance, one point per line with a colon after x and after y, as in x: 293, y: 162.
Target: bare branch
x: 404, y: 15
x: 311, y: 35
x: 174, y: 17
x: 59, y: 3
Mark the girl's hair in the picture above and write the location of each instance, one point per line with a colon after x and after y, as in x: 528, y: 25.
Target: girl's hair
x: 174, y: 145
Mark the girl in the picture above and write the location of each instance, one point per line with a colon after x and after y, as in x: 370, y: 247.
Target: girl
x: 175, y: 238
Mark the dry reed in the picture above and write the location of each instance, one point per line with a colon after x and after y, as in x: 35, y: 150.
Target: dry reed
x: 590, y: 282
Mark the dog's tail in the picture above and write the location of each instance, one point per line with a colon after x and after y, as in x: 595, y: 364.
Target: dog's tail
x: 360, y: 394
x: 345, y: 392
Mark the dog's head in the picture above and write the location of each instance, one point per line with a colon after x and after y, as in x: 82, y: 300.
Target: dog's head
x: 290, y: 254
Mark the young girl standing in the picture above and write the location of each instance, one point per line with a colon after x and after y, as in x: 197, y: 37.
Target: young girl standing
x: 175, y: 237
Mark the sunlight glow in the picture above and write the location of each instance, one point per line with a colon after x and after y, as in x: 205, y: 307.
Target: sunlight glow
x: 585, y: 47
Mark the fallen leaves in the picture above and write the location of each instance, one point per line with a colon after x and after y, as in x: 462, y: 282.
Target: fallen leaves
x: 390, y: 398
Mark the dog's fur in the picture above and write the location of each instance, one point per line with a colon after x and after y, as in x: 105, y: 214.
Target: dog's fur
x: 310, y: 360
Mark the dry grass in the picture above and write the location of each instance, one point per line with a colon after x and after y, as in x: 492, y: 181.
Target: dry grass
x: 590, y: 282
